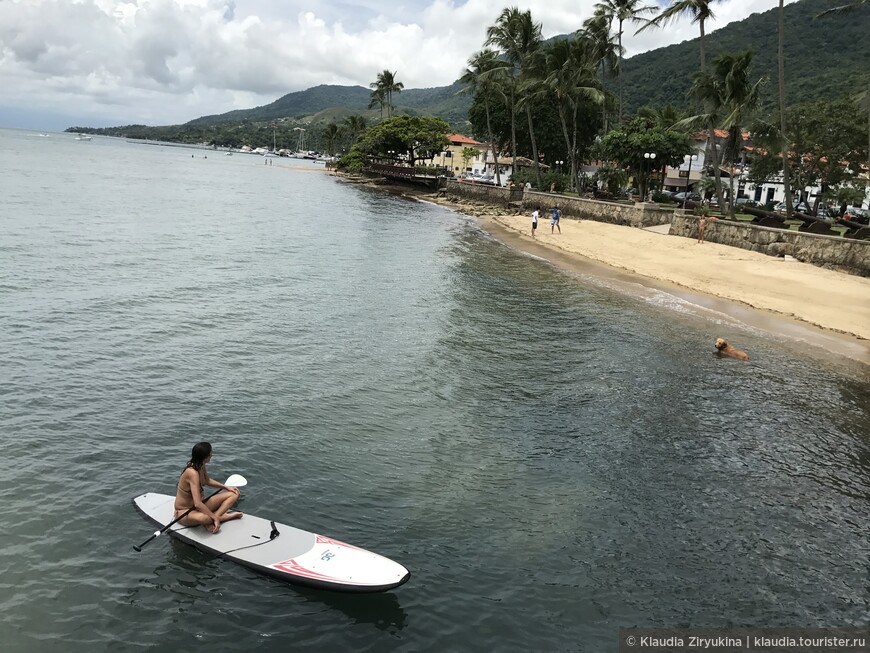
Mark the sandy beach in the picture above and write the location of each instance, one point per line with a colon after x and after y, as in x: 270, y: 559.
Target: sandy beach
x: 821, y: 307
x: 832, y: 307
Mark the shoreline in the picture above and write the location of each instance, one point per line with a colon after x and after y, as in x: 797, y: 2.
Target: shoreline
x: 798, y: 302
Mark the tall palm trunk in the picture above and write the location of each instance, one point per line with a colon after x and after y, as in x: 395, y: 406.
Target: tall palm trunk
x: 564, y: 121
x: 513, y: 132
x: 534, y: 149
x: 603, y: 104
x: 786, y: 182
x: 491, y: 145
x: 620, y: 73
x: 711, y: 150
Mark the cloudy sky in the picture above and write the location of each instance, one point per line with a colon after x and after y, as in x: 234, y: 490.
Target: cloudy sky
x: 113, y: 62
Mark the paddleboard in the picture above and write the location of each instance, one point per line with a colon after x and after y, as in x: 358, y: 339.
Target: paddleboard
x: 282, y: 551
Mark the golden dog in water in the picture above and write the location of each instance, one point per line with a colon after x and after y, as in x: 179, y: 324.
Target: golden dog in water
x: 727, y: 350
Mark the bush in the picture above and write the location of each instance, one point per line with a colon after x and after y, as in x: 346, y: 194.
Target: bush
x: 662, y: 198
x: 353, y: 161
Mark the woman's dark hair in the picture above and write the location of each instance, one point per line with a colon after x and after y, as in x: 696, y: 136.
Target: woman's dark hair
x: 201, y: 451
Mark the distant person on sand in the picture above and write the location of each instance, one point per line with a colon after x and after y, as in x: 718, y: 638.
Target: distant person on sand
x: 555, y: 215
x: 528, y: 186
x: 702, y: 224
x: 535, y: 215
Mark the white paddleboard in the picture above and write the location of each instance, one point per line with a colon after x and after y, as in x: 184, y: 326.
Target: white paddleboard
x: 293, y: 555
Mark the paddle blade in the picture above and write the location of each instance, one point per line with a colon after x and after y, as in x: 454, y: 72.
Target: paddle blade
x: 236, y: 480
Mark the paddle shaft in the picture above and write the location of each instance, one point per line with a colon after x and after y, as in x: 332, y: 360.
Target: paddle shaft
x: 174, y: 521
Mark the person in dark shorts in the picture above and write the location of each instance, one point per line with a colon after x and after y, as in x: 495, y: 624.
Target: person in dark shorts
x: 555, y: 215
x: 535, y: 215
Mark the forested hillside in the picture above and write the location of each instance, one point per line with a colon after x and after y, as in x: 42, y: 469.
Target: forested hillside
x: 827, y: 58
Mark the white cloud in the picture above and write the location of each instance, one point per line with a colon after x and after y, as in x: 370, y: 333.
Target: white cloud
x: 168, y: 61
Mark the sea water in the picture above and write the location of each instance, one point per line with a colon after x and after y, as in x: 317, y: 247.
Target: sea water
x: 551, y: 457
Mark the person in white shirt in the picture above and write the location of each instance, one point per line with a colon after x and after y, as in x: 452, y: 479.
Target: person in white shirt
x: 535, y: 214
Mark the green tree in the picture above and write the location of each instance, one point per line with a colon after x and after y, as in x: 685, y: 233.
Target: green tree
x: 827, y: 141
x: 386, y: 85
x: 378, y: 99
x: 605, y: 50
x: 330, y: 136
x: 780, y: 59
x: 628, y: 144
x: 727, y: 98
x: 845, y: 9
x: 503, y: 34
x: 416, y: 137
x: 568, y: 69
x: 483, y: 78
x: 468, y: 153
x: 700, y: 10
x: 622, y: 11
x: 355, y: 125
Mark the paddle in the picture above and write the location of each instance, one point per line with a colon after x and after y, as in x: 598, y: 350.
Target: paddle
x: 236, y: 480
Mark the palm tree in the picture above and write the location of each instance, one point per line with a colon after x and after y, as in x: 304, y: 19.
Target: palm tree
x: 386, y: 82
x: 845, y: 9
x: 330, y: 135
x: 622, y: 11
x: 729, y: 99
x: 355, y: 126
x: 517, y: 35
x: 378, y: 99
x: 786, y: 182
x: 605, y: 50
x: 484, y: 77
x: 568, y: 69
x: 701, y: 11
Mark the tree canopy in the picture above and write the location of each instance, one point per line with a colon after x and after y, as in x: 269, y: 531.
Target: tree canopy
x: 414, y: 137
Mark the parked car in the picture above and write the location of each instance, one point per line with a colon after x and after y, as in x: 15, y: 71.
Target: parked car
x: 693, y: 197
x: 742, y: 201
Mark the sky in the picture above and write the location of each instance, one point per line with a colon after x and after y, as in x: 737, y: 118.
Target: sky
x: 99, y: 63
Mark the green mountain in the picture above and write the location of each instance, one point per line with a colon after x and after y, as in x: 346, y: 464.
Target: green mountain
x: 441, y: 101
x: 826, y: 58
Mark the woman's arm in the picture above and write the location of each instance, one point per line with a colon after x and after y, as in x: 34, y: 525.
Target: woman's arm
x: 196, y: 493
x: 212, y: 483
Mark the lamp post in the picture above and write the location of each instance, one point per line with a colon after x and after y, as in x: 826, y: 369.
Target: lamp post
x: 650, y: 158
x: 560, y: 163
x: 688, y: 158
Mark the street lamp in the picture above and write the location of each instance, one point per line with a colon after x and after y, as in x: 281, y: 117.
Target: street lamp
x: 650, y: 157
x: 559, y: 163
x: 688, y: 159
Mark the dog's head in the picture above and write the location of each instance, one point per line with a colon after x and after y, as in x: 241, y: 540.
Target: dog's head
x: 721, y: 344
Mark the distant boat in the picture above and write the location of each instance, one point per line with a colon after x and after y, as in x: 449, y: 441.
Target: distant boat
x: 84, y: 137
x: 45, y: 135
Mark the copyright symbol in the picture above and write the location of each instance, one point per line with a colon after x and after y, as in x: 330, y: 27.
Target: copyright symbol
x: 631, y: 640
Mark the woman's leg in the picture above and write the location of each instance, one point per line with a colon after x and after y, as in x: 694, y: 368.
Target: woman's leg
x: 220, y: 503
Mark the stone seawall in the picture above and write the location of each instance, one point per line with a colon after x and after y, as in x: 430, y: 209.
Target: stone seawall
x: 631, y: 215
x: 834, y: 252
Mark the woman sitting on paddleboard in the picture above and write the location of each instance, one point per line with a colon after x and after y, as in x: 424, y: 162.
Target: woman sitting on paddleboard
x: 212, y: 512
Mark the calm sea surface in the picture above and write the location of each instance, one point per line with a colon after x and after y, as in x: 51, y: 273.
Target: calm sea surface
x: 553, y: 459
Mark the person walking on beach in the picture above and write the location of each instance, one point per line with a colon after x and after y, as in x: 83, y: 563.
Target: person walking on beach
x: 555, y: 215
x: 535, y: 215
